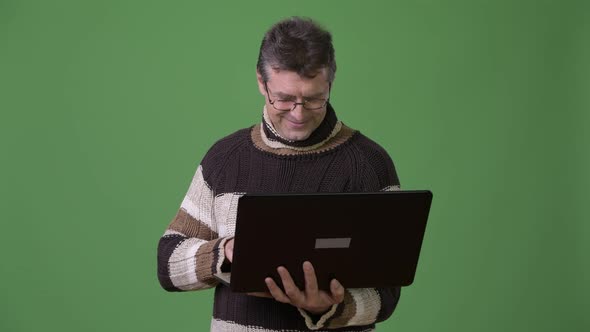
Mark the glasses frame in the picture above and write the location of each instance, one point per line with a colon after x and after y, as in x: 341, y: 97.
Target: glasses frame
x: 296, y: 103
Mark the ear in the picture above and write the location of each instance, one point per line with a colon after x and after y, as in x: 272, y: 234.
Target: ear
x: 260, y: 83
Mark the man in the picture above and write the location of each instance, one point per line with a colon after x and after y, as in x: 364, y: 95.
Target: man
x: 299, y: 146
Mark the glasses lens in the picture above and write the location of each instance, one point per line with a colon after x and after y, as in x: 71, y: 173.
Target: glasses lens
x: 314, y: 104
x: 285, y: 105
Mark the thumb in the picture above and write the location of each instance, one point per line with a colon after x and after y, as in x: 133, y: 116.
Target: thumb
x: 337, y: 291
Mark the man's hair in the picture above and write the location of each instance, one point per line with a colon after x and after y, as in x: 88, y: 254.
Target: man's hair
x: 297, y: 44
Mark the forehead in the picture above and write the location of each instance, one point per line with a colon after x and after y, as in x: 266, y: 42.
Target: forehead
x: 291, y: 83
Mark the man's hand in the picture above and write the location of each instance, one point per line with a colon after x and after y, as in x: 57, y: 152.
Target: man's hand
x: 229, y: 254
x: 229, y: 250
x: 311, y: 299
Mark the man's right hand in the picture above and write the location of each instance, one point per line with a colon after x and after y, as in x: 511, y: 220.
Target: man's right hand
x: 229, y: 250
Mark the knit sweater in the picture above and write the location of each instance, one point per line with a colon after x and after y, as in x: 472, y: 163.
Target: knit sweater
x: 334, y: 158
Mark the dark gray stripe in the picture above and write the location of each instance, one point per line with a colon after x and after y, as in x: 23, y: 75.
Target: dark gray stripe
x: 262, y: 312
x: 389, y: 299
x: 166, y: 247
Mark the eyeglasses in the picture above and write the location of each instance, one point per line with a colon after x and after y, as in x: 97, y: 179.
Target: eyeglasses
x: 289, y: 105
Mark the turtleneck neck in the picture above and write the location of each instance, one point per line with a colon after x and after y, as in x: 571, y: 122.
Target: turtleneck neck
x: 329, y: 127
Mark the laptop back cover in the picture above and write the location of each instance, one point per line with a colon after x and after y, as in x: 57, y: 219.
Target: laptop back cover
x: 361, y: 239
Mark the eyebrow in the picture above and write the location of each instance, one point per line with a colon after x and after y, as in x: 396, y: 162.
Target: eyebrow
x: 286, y: 96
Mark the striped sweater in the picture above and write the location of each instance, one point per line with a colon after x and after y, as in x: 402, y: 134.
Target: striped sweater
x: 335, y: 158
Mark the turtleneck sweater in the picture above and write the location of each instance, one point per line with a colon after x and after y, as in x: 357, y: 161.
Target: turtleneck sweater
x: 334, y: 158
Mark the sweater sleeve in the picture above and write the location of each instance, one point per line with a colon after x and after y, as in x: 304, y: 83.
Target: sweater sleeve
x: 361, y: 306
x: 190, y: 251
x: 364, y: 306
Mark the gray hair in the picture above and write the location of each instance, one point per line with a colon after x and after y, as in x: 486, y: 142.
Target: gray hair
x: 297, y: 44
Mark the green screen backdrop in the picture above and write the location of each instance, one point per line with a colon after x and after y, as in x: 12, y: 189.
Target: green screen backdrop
x: 107, y: 108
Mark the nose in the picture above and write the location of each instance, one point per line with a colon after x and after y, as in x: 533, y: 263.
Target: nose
x: 297, y: 112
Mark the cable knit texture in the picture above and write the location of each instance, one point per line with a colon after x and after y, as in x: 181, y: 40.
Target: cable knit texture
x: 335, y: 158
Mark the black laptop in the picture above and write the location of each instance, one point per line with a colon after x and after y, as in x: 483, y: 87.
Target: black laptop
x: 361, y: 239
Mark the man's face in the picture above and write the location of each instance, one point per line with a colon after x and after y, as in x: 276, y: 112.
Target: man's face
x: 299, y: 123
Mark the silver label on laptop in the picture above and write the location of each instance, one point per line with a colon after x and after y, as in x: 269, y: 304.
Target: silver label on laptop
x: 340, y: 242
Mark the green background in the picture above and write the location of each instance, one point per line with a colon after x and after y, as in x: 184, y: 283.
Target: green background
x: 107, y: 108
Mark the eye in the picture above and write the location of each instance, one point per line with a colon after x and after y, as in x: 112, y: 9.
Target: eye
x: 287, y: 99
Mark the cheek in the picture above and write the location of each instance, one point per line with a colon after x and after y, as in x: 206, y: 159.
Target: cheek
x: 320, y: 117
x: 276, y: 119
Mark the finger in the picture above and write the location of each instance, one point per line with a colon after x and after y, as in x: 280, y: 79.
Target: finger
x: 311, y: 283
x: 337, y: 291
x: 229, y: 250
x: 275, y: 291
x: 291, y: 290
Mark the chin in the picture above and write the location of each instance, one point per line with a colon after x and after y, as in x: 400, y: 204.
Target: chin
x: 298, y: 136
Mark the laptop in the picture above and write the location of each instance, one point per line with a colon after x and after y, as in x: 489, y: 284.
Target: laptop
x: 361, y: 239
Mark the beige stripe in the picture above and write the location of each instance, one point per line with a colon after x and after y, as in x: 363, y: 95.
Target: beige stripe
x: 223, y: 326
x: 205, y: 260
x: 198, y: 201
x: 391, y: 188
x: 349, y: 311
x: 189, y: 226
x: 320, y: 323
x: 226, y: 212
x: 182, y: 265
x: 172, y: 232
x: 368, y: 303
x: 259, y: 141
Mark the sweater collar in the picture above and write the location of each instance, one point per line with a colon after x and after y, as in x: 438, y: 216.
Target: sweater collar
x: 329, y: 127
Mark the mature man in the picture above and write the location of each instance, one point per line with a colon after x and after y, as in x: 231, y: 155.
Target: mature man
x: 299, y: 146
